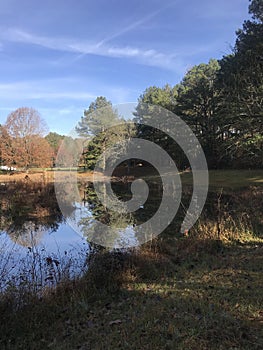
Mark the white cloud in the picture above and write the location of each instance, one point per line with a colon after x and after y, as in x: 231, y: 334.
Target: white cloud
x: 148, y: 57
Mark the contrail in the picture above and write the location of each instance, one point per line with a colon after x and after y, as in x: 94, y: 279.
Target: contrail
x: 134, y: 24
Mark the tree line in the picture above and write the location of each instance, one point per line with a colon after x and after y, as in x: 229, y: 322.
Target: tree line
x: 222, y: 102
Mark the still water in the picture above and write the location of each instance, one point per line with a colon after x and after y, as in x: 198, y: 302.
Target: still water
x: 41, y: 254
x: 39, y: 244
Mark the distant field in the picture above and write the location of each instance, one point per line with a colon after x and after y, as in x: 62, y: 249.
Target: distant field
x: 217, y: 178
x: 230, y: 178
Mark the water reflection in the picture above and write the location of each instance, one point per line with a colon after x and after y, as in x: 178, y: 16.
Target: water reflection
x: 36, y: 243
x: 115, y: 228
x: 36, y: 239
x: 229, y: 214
x: 119, y: 228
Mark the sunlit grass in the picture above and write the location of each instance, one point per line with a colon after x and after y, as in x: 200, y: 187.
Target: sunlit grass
x: 230, y: 178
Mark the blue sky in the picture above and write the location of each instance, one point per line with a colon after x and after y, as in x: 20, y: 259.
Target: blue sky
x: 59, y: 55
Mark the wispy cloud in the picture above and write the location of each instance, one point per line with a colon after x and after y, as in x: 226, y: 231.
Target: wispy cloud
x: 62, y: 91
x: 39, y: 90
x: 149, y: 57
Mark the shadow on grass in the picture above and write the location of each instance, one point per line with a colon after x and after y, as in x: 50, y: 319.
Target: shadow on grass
x: 147, y: 300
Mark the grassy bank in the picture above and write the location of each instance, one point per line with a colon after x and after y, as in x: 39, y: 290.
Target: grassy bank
x: 195, y: 294
x: 230, y: 178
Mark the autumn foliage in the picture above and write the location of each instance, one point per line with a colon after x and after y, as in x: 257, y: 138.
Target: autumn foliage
x: 22, y: 141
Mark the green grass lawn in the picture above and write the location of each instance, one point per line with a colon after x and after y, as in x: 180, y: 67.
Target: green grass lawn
x: 230, y: 178
x: 220, y: 178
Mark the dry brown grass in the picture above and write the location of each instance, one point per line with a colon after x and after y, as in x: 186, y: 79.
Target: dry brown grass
x: 42, y: 176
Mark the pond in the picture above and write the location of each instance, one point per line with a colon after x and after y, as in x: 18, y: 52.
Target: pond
x: 40, y: 246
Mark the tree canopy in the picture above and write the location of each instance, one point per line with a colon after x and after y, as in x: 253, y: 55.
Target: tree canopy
x: 222, y: 101
x: 22, y: 142
x: 102, y: 128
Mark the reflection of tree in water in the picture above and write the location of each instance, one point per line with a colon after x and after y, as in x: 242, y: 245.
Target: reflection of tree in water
x: 28, y: 210
x: 29, y: 233
x: 115, y: 222
x: 120, y: 226
x: 67, y: 192
x: 223, y: 211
